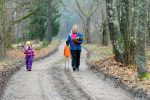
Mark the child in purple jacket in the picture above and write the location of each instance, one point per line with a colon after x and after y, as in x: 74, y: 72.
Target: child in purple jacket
x: 29, y: 55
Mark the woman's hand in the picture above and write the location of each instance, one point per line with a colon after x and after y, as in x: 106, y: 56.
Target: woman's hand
x: 79, y: 42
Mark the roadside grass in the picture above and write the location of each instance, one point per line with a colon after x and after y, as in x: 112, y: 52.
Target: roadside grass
x: 99, y: 52
x: 104, y: 60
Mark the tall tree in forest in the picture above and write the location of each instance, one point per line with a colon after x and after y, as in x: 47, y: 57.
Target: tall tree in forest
x: 141, y: 37
x: 105, y: 32
x: 101, y: 27
x: 87, y: 14
x: 2, y: 29
x: 52, y: 19
x: 48, y: 33
x: 37, y: 27
x: 55, y: 17
x: 114, y: 30
x: 127, y: 21
x: 123, y: 17
x: 148, y: 23
x: 44, y: 22
x: 124, y: 27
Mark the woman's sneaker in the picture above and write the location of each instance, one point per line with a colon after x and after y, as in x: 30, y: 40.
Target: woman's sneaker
x: 74, y: 69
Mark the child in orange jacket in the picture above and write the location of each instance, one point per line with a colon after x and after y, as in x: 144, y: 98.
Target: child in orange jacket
x: 67, y: 53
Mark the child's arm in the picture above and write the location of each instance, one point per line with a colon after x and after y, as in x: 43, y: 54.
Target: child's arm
x: 25, y: 50
x: 33, y: 52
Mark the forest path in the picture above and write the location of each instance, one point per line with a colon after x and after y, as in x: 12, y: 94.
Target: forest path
x: 50, y: 81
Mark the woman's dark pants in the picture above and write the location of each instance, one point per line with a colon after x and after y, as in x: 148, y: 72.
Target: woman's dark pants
x: 75, y: 58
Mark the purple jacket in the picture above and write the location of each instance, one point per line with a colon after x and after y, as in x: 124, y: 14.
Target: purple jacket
x: 28, y: 51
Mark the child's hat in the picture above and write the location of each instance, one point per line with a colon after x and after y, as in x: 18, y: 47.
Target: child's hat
x: 28, y: 43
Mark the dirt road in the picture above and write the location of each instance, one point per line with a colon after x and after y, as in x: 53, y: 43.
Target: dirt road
x: 49, y: 81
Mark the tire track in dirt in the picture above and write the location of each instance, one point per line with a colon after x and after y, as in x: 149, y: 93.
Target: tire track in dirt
x: 95, y: 86
x: 66, y: 85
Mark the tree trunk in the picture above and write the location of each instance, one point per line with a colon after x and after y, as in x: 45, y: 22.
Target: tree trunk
x: 2, y: 30
x: 105, y: 34
x: 87, y: 14
x: 48, y: 34
x: 140, y: 55
x: 132, y: 31
x: 124, y: 29
x: 87, y: 30
x: 113, y: 30
x: 126, y: 20
x: 141, y: 38
x: 148, y: 23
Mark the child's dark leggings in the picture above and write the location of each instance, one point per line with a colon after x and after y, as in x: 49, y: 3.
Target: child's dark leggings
x: 75, y: 58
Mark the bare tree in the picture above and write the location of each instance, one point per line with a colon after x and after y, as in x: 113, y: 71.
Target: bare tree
x: 86, y: 14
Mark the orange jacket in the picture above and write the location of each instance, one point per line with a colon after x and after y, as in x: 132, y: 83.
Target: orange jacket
x: 67, y: 51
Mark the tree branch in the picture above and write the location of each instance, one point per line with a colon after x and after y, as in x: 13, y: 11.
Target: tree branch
x: 26, y: 16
